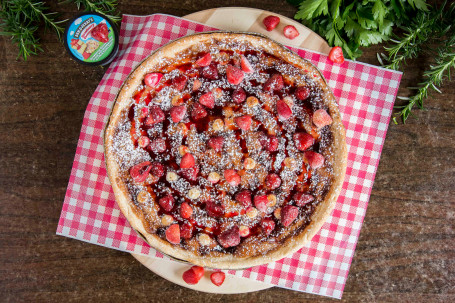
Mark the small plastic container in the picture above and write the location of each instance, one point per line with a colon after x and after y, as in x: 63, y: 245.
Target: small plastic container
x: 91, y: 39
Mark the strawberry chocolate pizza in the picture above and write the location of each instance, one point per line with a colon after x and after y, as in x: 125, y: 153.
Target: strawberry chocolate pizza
x: 226, y: 150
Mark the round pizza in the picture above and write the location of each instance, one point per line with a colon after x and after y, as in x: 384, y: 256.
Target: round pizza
x: 226, y: 150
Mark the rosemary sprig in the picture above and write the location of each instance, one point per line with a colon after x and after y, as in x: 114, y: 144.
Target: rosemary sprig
x: 105, y: 7
x: 434, y: 77
x: 20, y: 20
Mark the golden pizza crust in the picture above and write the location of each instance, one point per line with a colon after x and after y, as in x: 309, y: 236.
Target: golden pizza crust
x: 337, y: 157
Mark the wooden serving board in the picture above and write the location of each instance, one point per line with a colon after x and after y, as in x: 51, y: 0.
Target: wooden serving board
x: 247, y: 20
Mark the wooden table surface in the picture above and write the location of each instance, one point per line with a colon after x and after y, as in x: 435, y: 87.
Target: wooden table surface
x: 406, y: 250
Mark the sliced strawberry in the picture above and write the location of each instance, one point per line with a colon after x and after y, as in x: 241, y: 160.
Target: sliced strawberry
x: 216, y: 143
x: 178, y: 113
x: 314, y: 159
x: 210, y: 72
x: 143, y: 141
x: 213, y: 209
x: 302, y: 92
x: 244, y: 197
x: 273, y: 181
x: 288, y: 214
x: 193, y: 275
x: 290, y: 32
x: 157, y: 169
x: 261, y: 202
x: 191, y: 173
x: 173, y: 234
x: 274, y: 83
x: 246, y: 65
x: 268, y: 225
x: 232, y: 177
x: 196, y: 85
x: 284, y: 111
x: 336, y: 55
x: 158, y: 146
x: 180, y: 82
x: 187, y: 161
x: 230, y: 237
x: 144, y: 112
x: 301, y: 199
x: 156, y: 115
x: 270, y: 22
x: 207, y: 99
x: 198, y: 111
x: 153, y: 79
x: 234, y: 74
x: 217, y: 278
x: 303, y: 141
x: 244, y: 122
x: 204, y: 60
x: 272, y: 144
x: 185, y: 210
x: 321, y: 118
x: 167, y: 203
x: 238, y: 95
x: 140, y: 172
x: 186, y: 231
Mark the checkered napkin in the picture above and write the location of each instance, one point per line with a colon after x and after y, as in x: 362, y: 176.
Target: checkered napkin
x: 365, y: 94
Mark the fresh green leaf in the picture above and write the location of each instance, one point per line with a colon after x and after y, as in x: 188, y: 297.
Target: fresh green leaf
x: 312, y: 8
x: 379, y: 11
x: 419, y: 4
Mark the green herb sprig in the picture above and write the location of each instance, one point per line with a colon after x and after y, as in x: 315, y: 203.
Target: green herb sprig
x: 357, y: 23
x: 20, y: 20
x: 105, y: 7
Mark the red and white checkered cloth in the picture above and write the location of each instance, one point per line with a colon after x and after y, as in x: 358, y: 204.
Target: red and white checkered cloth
x: 365, y: 94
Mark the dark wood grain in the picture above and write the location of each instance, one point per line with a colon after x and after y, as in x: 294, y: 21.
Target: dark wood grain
x: 406, y: 248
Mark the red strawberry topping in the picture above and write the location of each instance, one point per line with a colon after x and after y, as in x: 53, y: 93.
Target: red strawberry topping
x: 207, y: 99
x: 213, y: 209
x: 156, y: 115
x: 143, y: 141
x: 261, y: 202
x: 180, y: 82
x: 303, y: 141
x: 217, y: 278
x: 204, y: 60
x: 140, y: 172
x: 198, y: 111
x: 178, y: 113
x: 187, y: 161
x: 157, y: 169
x: 167, y: 203
x: 288, y: 214
x: 173, y: 234
x: 153, y: 79
x: 244, y: 122
x: 284, y: 111
x: 196, y: 85
x: 234, y: 74
x: 238, y: 95
x: 270, y: 143
x: 158, y: 146
x: 186, y: 231
x: 302, y: 199
x: 230, y: 237
x: 244, y: 197
x: 246, y: 65
x: 185, y: 210
x: 314, y: 159
x: 193, y: 275
x: 336, y: 55
x: 100, y: 33
x: 274, y: 83
x: 272, y: 181
x: 210, y: 72
x: 232, y: 177
x: 144, y: 112
x: 216, y: 143
x: 268, y: 225
x: 302, y: 92
x: 321, y: 118
x: 191, y: 173
x: 290, y: 32
x: 270, y: 22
